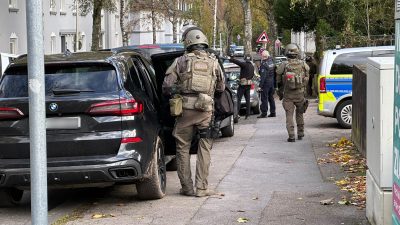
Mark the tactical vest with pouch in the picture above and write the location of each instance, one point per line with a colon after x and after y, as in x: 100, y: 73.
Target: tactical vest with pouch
x: 294, y: 75
x: 198, y: 82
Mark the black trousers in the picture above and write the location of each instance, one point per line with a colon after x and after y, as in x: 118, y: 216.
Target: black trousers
x: 244, y: 90
x: 267, y: 97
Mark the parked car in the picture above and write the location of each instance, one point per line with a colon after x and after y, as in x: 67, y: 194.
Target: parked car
x: 335, y: 80
x: 279, y: 59
x: 233, y: 73
x: 102, y: 119
x: 239, y: 51
x: 5, y: 59
x: 162, y: 56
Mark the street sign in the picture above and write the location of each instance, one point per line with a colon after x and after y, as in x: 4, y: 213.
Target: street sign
x: 396, y: 132
x: 263, y: 38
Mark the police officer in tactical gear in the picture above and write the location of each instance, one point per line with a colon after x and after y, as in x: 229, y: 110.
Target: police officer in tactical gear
x: 267, y: 74
x: 195, y: 76
x: 292, y: 78
x: 245, y: 79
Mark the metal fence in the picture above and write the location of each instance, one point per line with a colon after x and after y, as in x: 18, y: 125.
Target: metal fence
x: 348, y: 41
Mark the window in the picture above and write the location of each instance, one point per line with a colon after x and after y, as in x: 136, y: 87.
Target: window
x: 52, y: 43
x: 13, y: 44
x: 63, y: 44
x: 52, y: 6
x: 62, y: 5
x: 150, y: 89
x: 343, y: 64
x: 12, y: 4
x: 98, y: 78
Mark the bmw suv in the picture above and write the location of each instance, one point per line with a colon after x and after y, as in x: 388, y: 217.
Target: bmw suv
x: 102, y: 120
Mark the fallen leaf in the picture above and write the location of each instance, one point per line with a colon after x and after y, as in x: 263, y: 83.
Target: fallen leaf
x: 240, y: 211
x: 299, y: 198
x: 343, y: 202
x: 243, y: 220
x: 98, y: 216
x: 328, y: 201
x: 255, y: 198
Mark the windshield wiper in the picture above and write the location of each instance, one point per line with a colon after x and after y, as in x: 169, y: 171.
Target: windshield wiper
x: 69, y: 91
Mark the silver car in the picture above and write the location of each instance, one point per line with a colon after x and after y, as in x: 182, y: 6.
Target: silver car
x: 232, y: 74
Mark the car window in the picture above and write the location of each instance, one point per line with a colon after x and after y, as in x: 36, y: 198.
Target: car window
x: 99, y: 78
x: 343, y: 63
x: 134, y: 75
x: 383, y: 53
x: 144, y: 75
x: 151, y: 71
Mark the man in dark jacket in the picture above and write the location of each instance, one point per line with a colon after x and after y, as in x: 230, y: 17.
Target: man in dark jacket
x: 267, y: 73
x: 246, y: 74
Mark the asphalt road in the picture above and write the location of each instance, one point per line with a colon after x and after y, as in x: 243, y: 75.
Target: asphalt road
x: 258, y: 177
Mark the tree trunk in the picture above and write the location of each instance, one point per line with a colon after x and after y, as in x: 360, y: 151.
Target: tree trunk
x: 272, y: 31
x: 96, y: 30
x: 247, y: 26
x: 124, y: 34
x: 174, y: 27
x: 153, y: 21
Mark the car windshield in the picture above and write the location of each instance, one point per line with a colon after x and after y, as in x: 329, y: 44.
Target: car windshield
x: 64, y: 78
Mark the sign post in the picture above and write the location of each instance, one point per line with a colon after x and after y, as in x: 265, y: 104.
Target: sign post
x: 263, y: 38
x: 396, y: 125
x: 37, y: 112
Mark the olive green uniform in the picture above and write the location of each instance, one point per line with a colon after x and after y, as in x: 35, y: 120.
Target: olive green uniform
x: 293, y: 99
x: 190, y: 120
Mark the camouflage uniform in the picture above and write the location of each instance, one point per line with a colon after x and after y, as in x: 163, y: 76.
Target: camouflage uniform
x: 293, y: 99
x: 189, y: 121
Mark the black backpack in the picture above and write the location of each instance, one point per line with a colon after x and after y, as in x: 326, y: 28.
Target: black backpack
x: 223, y: 105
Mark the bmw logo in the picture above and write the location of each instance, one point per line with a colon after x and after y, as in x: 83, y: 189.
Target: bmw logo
x: 53, y: 107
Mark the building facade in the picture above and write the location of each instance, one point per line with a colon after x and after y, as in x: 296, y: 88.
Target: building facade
x: 61, y: 25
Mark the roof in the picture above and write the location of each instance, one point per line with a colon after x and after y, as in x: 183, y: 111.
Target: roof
x: 100, y: 56
x: 360, y: 49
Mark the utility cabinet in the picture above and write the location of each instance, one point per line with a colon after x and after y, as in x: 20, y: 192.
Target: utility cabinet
x: 379, y: 135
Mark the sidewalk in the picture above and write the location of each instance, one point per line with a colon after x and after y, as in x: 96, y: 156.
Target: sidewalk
x: 260, y: 178
x: 274, y: 182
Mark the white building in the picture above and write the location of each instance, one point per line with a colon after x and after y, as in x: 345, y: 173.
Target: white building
x: 305, y: 41
x: 60, y: 26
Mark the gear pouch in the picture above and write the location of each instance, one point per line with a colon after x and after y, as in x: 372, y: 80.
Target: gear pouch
x: 204, y: 103
x: 176, y: 105
x: 290, y: 78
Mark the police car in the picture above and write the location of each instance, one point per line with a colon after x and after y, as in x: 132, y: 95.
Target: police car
x: 335, y: 80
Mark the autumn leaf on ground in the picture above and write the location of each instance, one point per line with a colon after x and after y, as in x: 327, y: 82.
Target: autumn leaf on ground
x: 243, y: 220
x: 99, y: 216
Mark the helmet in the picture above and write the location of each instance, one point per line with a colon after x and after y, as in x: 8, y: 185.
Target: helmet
x: 291, y: 50
x: 194, y: 36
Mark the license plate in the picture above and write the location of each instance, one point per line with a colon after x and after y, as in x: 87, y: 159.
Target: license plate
x: 63, y: 123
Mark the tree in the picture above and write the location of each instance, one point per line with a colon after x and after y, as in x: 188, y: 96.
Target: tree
x: 248, y: 33
x: 122, y: 15
x: 95, y: 6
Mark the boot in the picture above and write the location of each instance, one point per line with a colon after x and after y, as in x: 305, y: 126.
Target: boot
x: 203, y: 192
x: 186, y: 192
x: 291, y: 140
x: 300, y: 136
x: 262, y: 115
x: 272, y: 115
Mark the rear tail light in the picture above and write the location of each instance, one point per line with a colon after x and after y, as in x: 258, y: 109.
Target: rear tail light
x: 10, y: 113
x: 322, y: 85
x: 252, y: 86
x: 131, y: 140
x: 122, y: 107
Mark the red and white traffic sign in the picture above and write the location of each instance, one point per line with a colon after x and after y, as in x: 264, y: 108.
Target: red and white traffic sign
x: 263, y: 38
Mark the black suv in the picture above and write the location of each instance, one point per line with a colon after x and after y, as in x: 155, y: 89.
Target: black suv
x: 102, y: 119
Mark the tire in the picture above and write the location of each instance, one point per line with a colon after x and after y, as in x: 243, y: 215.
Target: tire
x: 154, y: 186
x: 10, y: 197
x: 256, y: 109
x: 344, y: 114
x: 229, y: 130
x: 172, y: 165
